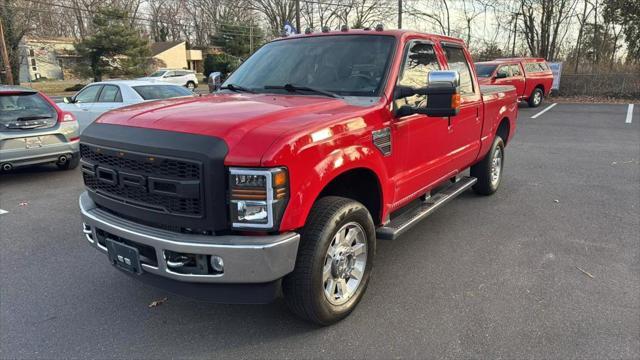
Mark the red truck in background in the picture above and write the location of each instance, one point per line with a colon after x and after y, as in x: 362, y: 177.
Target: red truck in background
x: 531, y: 77
x: 316, y: 147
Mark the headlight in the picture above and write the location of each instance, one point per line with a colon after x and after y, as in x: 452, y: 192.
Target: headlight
x: 257, y: 197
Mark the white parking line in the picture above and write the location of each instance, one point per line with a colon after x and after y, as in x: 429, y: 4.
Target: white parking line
x: 3, y: 211
x: 629, y: 114
x: 544, y: 111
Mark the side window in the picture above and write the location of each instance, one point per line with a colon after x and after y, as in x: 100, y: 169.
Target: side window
x: 534, y: 67
x: 420, y: 60
x: 170, y: 74
x: 110, y: 93
x: 503, y: 70
x: 88, y: 94
x: 457, y: 61
x: 515, y: 70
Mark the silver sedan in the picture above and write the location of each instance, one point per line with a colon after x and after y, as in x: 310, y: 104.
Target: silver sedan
x: 97, y: 98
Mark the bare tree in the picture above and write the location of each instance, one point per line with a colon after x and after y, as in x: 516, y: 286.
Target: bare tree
x: 542, y: 22
x: 433, y: 11
x: 276, y: 12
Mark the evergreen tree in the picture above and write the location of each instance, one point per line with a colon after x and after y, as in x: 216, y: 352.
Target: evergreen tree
x: 115, y: 48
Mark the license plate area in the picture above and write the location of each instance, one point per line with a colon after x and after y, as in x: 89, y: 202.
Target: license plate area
x: 33, y: 142
x: 123, y: 256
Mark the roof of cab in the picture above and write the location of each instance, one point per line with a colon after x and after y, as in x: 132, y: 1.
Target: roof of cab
x: 397, y: 33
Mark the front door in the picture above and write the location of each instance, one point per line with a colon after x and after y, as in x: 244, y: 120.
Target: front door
x: 420, y: 142
x: 82, y: 105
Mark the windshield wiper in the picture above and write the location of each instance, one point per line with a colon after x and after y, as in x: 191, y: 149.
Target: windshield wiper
x: 296, y: 88
x: 237, y: 88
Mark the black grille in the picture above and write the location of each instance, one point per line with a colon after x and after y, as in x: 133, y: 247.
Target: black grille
x: 167, y: 174
x: 159, y: 166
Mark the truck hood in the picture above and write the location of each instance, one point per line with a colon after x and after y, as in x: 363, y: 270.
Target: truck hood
x: 255, y: 120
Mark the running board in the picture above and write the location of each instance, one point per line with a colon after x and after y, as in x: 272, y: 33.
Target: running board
x: 404, y: 222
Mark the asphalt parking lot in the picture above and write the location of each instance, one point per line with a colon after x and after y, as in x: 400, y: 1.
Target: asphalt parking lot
x: 549, y: 267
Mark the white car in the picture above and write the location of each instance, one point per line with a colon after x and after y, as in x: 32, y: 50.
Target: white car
x: 97, y: 98
x: 186, y: 78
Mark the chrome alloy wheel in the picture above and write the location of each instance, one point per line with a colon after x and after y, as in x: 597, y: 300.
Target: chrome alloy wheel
x: 344, y: 263
x: 496, y: 166
x: 537, y: 97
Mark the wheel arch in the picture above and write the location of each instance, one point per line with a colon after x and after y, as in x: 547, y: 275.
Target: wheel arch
x: 504, y: 130
x: 360, y: 184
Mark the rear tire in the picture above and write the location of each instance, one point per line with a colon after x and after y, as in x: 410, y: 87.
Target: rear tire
x: 536, y: 98
x: 334, y: 261
x: 71, y: 163
x: 489, y: 170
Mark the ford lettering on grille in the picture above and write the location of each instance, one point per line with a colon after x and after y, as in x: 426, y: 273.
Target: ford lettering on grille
x: 162, y: 184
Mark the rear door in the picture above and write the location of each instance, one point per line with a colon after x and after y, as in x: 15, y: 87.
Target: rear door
x: 109, y: 98
x: 466, y: 127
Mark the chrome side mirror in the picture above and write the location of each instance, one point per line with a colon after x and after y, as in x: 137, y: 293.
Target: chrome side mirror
x: 442, y: 92
x: 442, y: 77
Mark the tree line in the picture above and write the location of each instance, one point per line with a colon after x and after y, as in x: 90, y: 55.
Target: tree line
x: 589, y: 35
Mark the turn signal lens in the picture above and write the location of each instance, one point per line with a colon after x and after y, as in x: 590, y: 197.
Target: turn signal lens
x: 455, y: 101
x: 280, y: 178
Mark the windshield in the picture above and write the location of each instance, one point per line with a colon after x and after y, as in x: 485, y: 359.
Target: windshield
x: 157, y: 92
x: 348, y: 65
x: 23, y: 111
x: 157, y: 74
x: 485, y: 70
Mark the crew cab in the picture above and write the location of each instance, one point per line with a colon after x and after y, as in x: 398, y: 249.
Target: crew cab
x: 531, y: 77
x: 315, y: 148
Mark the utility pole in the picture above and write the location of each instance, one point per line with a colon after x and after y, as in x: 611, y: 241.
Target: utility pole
x: 399, y: 14
x: 515, y: 32
x: 298, y: 17
x: 5, y: 57
x: 250, y: 39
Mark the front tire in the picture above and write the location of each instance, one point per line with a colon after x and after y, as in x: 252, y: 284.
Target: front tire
x: 489, y: 170
x: 536, y: 98
x: 191, y: 85
x: 334, y: 261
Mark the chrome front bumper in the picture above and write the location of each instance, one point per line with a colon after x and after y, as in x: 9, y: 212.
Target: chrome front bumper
x: 247, y: 259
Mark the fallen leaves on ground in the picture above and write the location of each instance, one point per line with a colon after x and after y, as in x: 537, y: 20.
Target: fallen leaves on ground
x: 157, y: 302
x: 585, y: 272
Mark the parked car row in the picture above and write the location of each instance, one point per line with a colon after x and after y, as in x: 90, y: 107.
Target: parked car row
x: 35, y: 130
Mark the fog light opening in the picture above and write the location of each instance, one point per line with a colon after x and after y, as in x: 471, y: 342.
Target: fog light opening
x: 217, y: 264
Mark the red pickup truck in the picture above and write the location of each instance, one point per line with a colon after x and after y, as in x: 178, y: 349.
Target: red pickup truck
x: 317, y: 146
x: 531, y: 77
